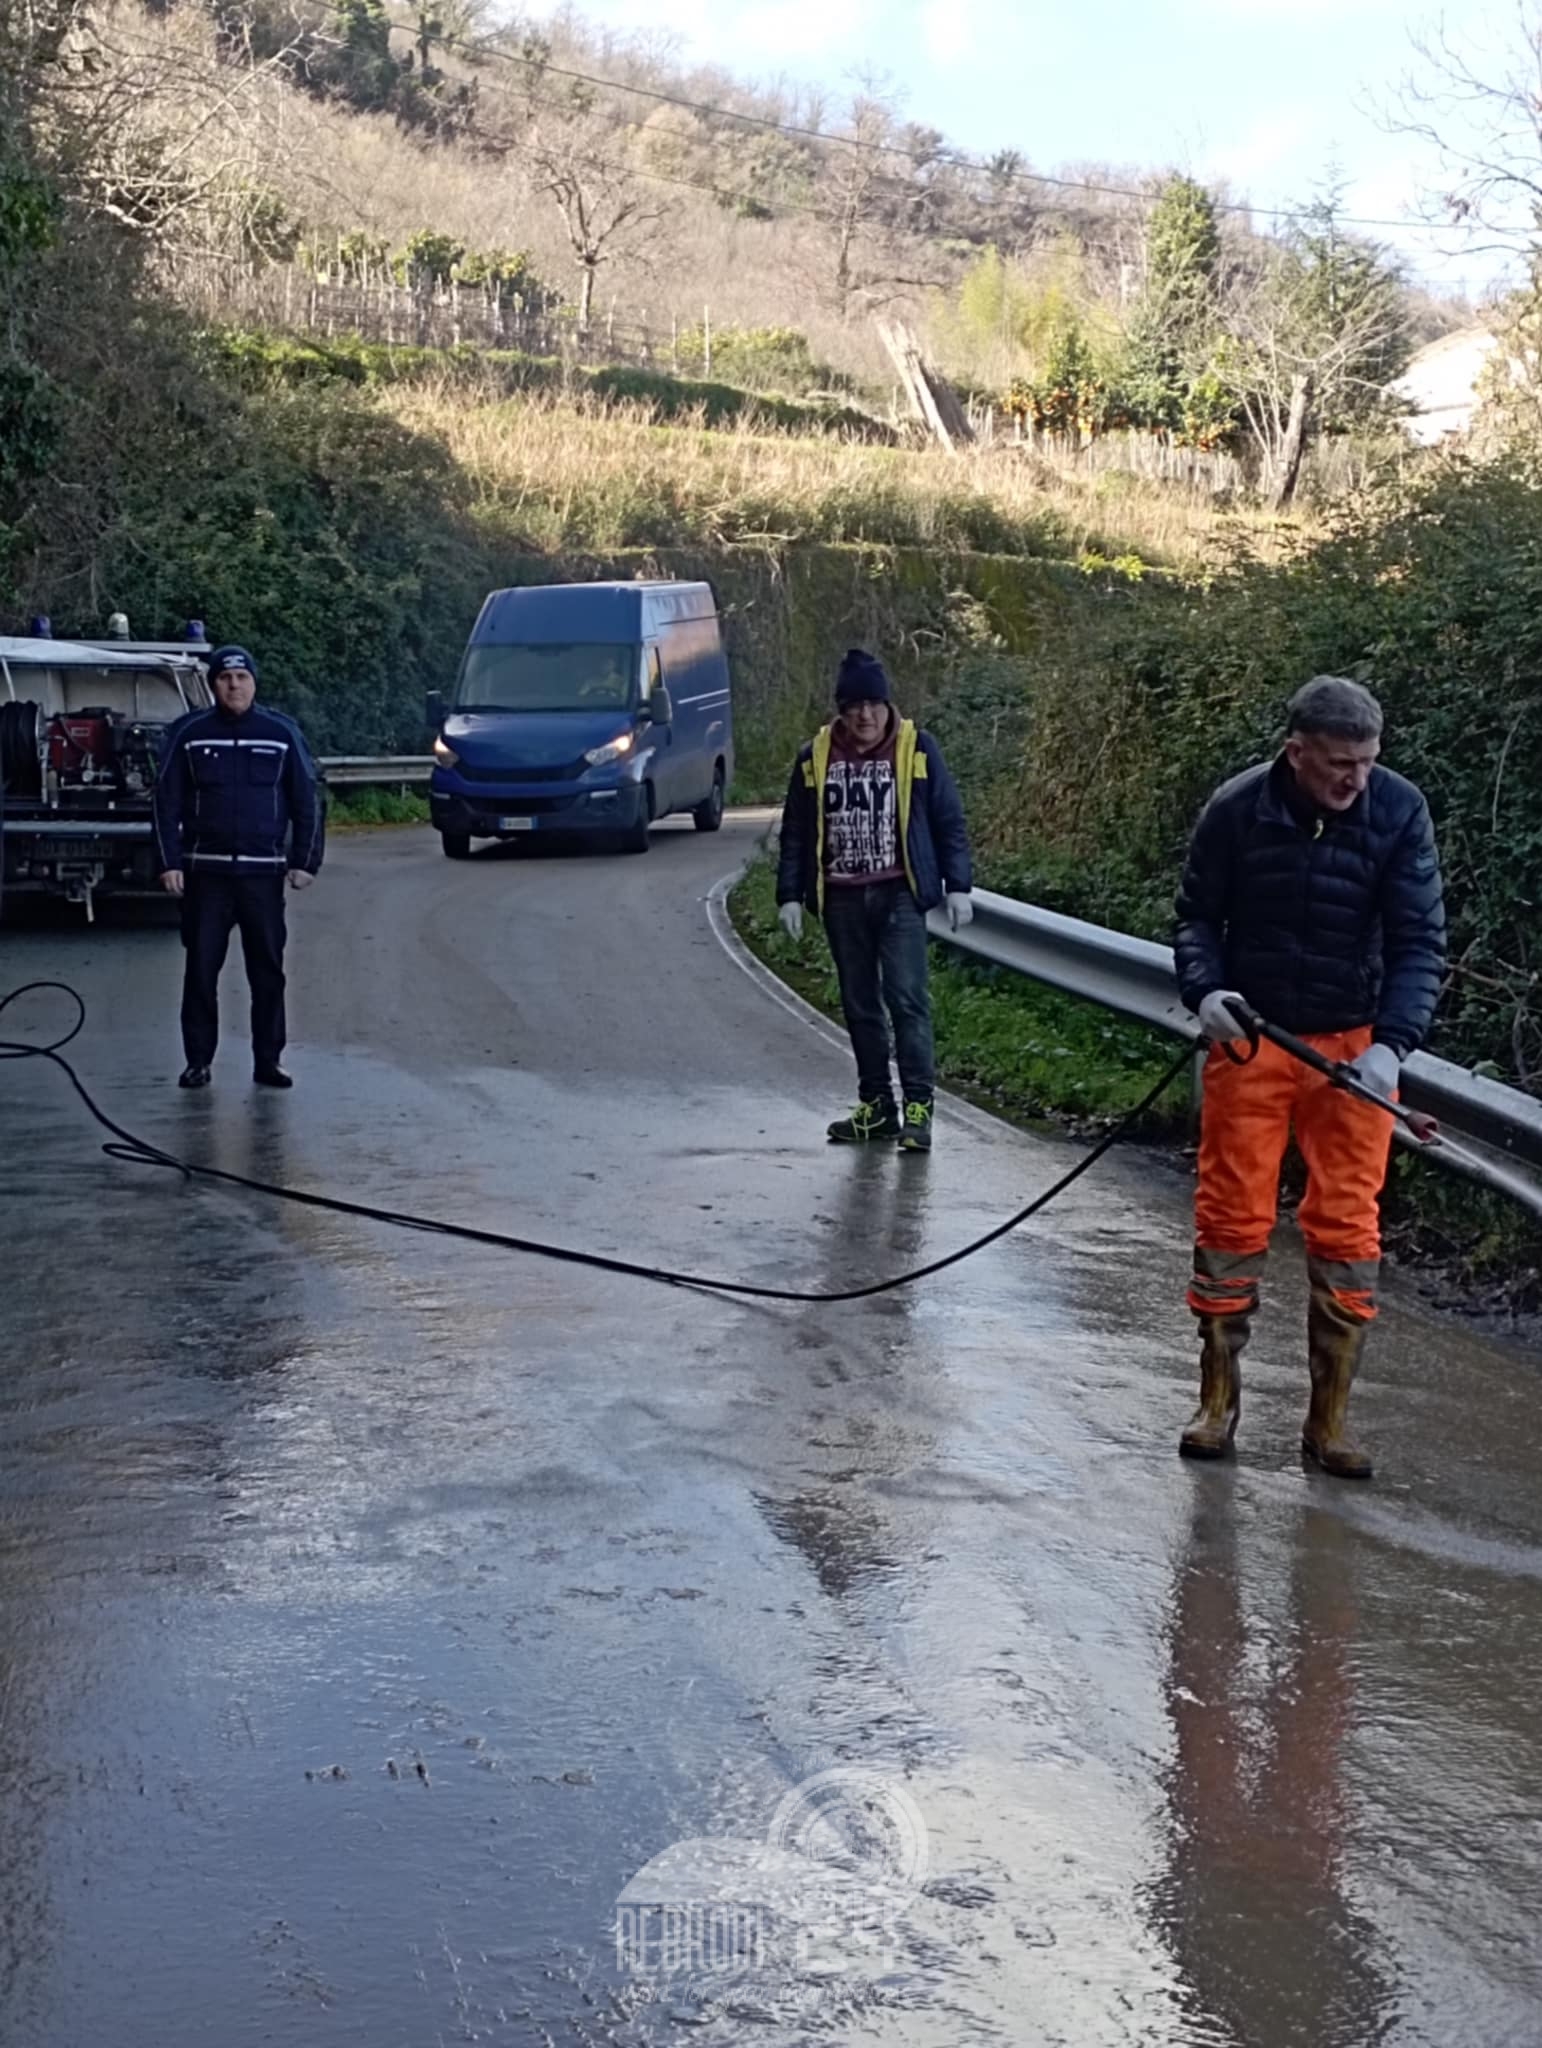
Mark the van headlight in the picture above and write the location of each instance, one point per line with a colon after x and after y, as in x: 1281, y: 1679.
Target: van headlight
x: 444, y: 754
x: 613, y: 750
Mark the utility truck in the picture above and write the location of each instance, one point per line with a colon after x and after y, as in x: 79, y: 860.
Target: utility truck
x: 82, y: 725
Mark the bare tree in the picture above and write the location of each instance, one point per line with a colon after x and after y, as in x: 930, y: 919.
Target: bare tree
x: 155, y: 133
x: 1485, y: 128
x: 582, y: 154
x: 1313, y: 335
x: 856, y: 187
x: 866, y: 193
x: 607, y: 208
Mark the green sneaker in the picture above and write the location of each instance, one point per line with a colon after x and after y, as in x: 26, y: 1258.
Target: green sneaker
x: 916, y: 1136
x: 869, y: 1120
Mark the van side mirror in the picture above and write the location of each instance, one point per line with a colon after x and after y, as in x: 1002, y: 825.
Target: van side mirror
x: 433, y: 708
x: 659, y: 708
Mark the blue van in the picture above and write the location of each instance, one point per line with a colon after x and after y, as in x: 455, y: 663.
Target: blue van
x: 584, y: 707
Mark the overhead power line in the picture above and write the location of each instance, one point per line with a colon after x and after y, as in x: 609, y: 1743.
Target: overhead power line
x: 956, y: 159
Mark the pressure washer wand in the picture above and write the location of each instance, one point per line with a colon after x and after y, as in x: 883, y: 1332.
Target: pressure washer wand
x: 1426, y: 1132
x: 1417, y: 1122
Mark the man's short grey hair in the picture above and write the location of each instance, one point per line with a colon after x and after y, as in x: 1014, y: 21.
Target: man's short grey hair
x: 1336, y: 708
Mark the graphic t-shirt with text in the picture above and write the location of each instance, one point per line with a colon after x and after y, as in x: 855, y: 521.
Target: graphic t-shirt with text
x: 861, y: 799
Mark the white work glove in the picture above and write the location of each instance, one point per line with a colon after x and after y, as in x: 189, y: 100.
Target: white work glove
x: 960, y: 909
x: 1217, y: 1019
x: 1378, y: 1067
x: 790, y: 917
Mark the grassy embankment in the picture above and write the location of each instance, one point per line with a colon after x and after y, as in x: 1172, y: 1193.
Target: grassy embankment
x: 577, y: 469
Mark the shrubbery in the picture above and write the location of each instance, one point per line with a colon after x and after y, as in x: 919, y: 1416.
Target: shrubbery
x: 759, y: 359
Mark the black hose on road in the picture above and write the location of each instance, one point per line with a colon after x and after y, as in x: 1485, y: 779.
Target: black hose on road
x: 135, y: 1151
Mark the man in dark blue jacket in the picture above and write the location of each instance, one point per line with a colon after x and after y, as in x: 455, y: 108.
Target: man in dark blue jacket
x: 873, y: 837
x: 1312, y: 894
x: 236, y: 812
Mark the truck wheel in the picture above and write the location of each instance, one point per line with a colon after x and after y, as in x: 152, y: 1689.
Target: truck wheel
x: 457, y: 845
x: 635, y: 838
x: 709, y: 815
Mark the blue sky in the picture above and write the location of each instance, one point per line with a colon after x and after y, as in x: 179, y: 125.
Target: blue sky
x: 1263, y: 93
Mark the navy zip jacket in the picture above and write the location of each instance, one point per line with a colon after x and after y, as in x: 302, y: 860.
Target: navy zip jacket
x: 1324, y: 921
x: 237, y: 795
x: 933, y: 840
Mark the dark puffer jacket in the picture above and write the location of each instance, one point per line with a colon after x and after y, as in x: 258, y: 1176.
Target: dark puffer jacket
x: 1324, y: 921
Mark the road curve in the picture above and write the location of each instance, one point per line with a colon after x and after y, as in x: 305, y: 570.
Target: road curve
x: 374, y: 1609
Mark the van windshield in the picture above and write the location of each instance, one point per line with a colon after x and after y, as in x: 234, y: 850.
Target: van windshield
x: 573, y: 675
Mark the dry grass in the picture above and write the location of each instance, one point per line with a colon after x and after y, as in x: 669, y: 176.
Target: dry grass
x: 584, y: 474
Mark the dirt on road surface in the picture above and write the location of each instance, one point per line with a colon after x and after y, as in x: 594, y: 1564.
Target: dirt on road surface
x: 403, y: 1643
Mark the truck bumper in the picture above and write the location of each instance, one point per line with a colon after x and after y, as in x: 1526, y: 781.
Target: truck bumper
x: 74, y: 857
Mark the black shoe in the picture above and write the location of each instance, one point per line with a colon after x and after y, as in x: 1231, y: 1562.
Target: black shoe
x: 194, y: 1077
x: 868, y: 1121
x: 272, y: 1076
x: 917, y: 1133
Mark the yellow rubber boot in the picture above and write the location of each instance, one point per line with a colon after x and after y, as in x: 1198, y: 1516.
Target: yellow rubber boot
x: 1214, y: 1423
x: 1335, y: 1340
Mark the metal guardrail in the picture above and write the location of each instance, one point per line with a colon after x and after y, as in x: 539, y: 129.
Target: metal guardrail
x: 339, y: 771
x: 1136, y: 977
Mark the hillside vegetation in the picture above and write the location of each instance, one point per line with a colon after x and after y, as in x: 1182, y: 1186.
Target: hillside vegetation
x: 685, y: 214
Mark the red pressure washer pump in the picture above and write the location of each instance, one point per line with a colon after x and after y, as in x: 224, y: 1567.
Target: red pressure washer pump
x: 80, y: 747
x: 101, y: 751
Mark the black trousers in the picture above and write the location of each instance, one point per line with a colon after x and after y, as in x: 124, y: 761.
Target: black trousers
x: 212, y: 907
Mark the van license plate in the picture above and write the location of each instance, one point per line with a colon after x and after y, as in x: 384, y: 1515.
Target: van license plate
x: 516, y: 824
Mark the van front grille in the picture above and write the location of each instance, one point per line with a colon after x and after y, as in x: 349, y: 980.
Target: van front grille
x: 524, y: 806
x: 569, y: 771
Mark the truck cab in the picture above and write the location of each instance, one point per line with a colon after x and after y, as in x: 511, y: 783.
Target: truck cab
x: 595, y: 708
x: 81, y: 730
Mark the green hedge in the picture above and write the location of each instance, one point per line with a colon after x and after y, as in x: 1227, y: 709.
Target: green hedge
x: 1431, y: 591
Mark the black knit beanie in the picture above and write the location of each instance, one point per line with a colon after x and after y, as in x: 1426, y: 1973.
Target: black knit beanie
x: 862, y: 677
x: 231, y: 656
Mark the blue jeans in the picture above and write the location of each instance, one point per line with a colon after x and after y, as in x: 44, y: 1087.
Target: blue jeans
x: 877, y: 935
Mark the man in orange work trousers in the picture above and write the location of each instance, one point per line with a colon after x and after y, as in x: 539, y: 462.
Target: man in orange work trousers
x: 1312, y: 894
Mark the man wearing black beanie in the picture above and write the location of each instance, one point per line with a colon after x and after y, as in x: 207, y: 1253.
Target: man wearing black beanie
x: 237, y: 812
x: 873, y: 837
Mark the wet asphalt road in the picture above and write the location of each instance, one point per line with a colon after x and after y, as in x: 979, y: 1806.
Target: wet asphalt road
x: 373, y: 1608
